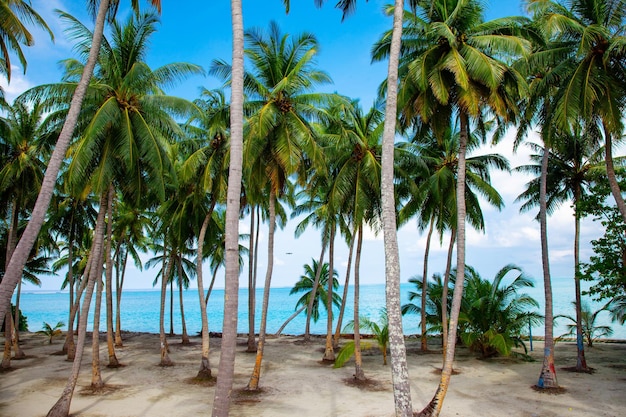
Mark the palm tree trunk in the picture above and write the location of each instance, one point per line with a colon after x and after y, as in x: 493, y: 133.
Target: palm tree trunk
x: 399, y: 368
x: 6, y: 356
x: 221, y: 400
x: 20, y: 256
x: 610, y: 172
x: 205, y: 367
x: 71, y: 350
x: 434, y: 407
x: 329, y: 353
x: 344, y: 298
x: 251, y: 285
x: 185, y: 336
x: 359, y: 375
x: 62, y: 407
x: 69, y: 336
x: 253, y: 384
x: 172, y: 304
x: 8, y: 328
x: 444, y: 294
x: 96, y: 376
x: 424, y: 339
x: 547, y: 377
x: 581, y: 362
x: 119, y: 284
x: 165, y: 357
x: 15, y: 333
x: 293, y: 316
x: 113, y: 362
x: 316, y: 284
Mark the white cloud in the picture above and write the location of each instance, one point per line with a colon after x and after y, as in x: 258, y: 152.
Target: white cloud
x: 19, y: 83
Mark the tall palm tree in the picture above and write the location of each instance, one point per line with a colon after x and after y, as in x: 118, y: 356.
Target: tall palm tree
x: 210, y: 127
x: 123, y: 144
x: 279, y: 132
x: 456, y: 68
x: 572, y: 163
x: 432, y: 185
x: 12, y: 276
x: 588, y: 69
x: 14, y: 15
x: 24, y: 144
x: 223, y: 389
x: 354, y: 161
x: 131, y: 223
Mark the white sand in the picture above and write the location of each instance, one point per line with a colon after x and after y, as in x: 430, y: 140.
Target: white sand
x: 294, y: 382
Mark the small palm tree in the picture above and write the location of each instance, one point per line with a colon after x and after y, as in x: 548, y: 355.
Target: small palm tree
x: 494, y: 314
x: 433, y: 302
x: 380, y: 331
x: 591, y: 331
x: 50, y: 331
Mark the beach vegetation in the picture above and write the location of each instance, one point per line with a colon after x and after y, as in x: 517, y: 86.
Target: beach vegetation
x: 606, y: 268
x: 378, y: 330
x: 591, y: 330
x: 495, y: 314
x: 51, y: 332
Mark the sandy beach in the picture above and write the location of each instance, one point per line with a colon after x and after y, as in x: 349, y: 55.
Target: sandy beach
x: 295, y: 382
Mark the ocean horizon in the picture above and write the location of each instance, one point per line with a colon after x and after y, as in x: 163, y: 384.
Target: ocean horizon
x: 140, y: 310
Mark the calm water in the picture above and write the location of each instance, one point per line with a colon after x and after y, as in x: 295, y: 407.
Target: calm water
x: 140, y: 310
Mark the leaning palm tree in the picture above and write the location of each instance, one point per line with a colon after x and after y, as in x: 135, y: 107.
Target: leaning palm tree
x: 22, y: 250
x: 100, y: 159
x: 456, y: 68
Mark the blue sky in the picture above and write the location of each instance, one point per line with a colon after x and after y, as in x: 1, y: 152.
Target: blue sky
x: 198, y: 31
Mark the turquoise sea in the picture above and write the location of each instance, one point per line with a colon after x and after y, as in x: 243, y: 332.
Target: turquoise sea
x: 140, y: 309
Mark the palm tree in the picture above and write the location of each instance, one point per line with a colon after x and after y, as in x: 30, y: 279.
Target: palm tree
x: 380, y: 331
x: 538, y: 110
x: 13, y: 32
x: 51, y: 332
x: 456, y: 68
x: 433, y: 306
x: 209, y: 127
x: 591, y: 330
x: 399, y: 368
x: 131, y: 224
x: 495, y: 314
x: 279, y: 132
x: 572, y: 163
x: 223, y: 389
x: 24, y: 144
x: 21, y: 253
x: 143, y: 128
x: 587, y: 63
x: 306, y: 285
x: 432, y: 180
